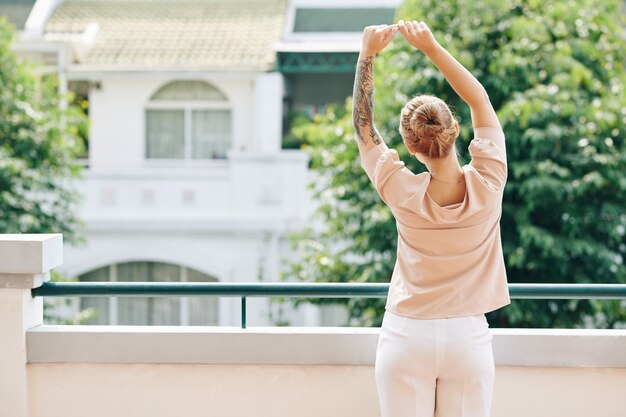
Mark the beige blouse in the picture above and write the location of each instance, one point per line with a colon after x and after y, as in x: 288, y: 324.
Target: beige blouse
x: 449, y: 261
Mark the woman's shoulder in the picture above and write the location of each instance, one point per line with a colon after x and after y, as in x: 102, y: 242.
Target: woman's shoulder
x: 478, y: 182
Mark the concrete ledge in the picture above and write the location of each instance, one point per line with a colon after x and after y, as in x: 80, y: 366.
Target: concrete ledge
x: 302, y: 345
x: 594, y: 348
x: 266, y: 156
x: 23, y: 281
x: 30, y: 253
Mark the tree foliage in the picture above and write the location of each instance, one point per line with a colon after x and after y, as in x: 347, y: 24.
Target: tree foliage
x: 39, y: 142
x: 554, y: 71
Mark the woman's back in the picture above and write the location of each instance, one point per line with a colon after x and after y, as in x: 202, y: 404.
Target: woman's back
x: 449, y: 261
x: 447, y: 194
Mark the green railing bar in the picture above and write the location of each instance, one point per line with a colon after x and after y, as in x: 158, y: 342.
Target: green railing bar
x: 301, y: 289
x: 568, y: 291
x: 224, y: 289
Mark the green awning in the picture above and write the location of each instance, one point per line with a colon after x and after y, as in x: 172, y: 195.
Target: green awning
x: 316, y: 62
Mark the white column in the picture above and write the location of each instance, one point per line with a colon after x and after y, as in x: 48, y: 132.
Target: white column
x: 25, y: 263
x: 268, y: 111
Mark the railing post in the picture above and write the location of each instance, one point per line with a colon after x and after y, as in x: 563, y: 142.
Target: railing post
x: 243, y: 312
x: 25, y: 263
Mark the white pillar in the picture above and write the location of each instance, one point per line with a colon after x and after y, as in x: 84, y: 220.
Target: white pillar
x: 25, y: 263
x: 268, y: 110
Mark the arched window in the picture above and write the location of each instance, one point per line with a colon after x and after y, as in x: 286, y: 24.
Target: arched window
x: 188, y: 120
x: 150, y: 310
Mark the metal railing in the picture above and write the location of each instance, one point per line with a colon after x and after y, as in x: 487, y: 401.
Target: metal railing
x: 300, y: 289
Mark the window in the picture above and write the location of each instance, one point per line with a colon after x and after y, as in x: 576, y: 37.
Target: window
x: 161, y: 311
x: 335, y: 19
x: 188, y: 120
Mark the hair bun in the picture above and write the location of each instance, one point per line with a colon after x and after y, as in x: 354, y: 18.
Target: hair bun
x: 425, y: 123
x: 427, y: 126
x: 427, y: 115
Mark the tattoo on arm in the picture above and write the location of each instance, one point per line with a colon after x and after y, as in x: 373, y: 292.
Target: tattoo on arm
x: 363, y: 102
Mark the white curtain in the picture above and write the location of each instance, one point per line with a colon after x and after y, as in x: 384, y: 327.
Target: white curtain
x: 165, y: 134
x: 202, y: 310
x: 210, y: 133
x: 162, y: 311
x: 148, y: 310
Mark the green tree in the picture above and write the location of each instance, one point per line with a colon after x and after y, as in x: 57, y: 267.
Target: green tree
x: 39, y: 142
x: 554, y: 71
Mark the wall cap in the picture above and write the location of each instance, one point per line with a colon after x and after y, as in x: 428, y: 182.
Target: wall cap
x: 30, y: 254
x: 574, y: 348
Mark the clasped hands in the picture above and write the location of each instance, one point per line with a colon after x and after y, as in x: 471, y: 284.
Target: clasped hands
x: 377, y: 37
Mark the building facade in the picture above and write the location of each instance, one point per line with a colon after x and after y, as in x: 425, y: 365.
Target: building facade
x: 186, y: 175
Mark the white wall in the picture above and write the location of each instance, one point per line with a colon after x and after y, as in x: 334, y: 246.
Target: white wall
x: 117, y: 113
x: 247, y: 187
x: 225, y: 218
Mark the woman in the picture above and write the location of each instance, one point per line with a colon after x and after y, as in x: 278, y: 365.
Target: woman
x: 434, y: 354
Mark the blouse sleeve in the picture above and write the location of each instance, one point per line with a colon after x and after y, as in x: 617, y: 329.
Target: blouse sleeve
x: 392, y: 180
x: 488, y: 152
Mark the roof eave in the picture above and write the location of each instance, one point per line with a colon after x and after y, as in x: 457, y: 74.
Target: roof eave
x: 95, y: 72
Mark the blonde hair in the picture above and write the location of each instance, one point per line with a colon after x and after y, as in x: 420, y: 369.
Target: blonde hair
x: 427, y: 126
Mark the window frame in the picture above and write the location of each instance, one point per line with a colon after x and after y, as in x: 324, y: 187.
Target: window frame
x: 351, y: 38
x: 187, y: 106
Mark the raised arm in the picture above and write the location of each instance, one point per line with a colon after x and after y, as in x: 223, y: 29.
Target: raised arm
x: 375, y: 38
x: 460, y: 79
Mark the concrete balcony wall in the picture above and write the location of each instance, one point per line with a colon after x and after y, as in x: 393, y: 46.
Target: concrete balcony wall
x: 305, y: 372
x: 98, y: 371
x: 104, y: 390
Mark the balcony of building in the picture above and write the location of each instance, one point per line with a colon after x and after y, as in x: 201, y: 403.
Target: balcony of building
x: 67, y: 371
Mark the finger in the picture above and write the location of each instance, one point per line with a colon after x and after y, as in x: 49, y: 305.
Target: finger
x: 410, y: 28
x: 406, y: 26
x: 386, y: 28
x: 402, y: 28
x: 380, y: 29
x: 424, y: 26
x: 416, y: 26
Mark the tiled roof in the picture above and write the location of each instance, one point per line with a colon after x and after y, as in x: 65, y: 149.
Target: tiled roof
x: 175, y: 34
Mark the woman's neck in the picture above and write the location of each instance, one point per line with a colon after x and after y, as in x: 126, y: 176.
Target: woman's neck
x: 446, y: 169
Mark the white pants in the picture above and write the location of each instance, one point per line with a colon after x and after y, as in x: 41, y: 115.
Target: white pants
x: 434, y: 367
